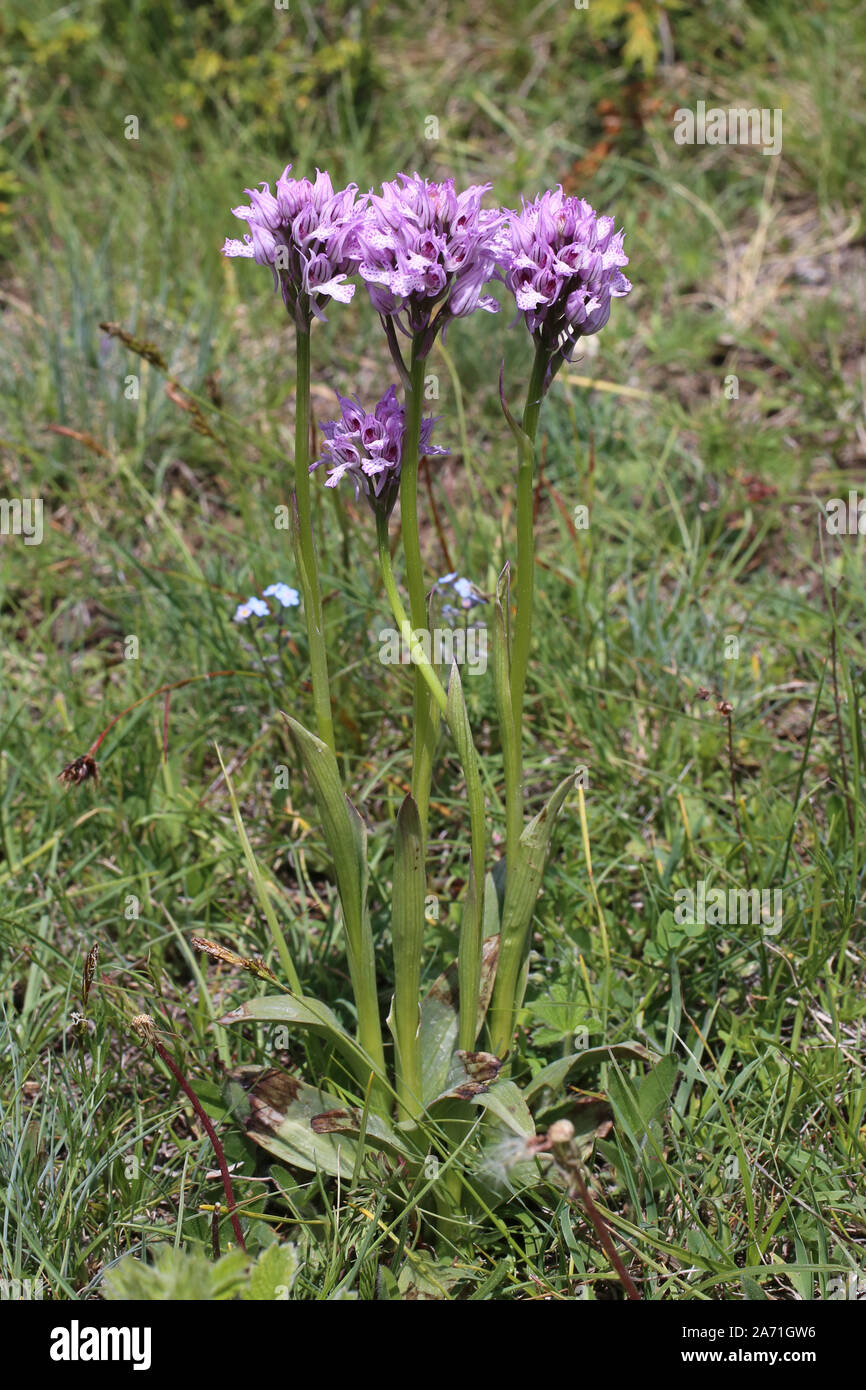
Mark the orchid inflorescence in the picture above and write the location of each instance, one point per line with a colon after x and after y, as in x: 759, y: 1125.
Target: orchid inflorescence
x: 306, y: 235
x: 428, y: 255
x: 368, y: 448
x: 563, y: 269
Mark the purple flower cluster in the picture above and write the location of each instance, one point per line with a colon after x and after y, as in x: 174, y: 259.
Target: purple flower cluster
x: 427, y: 254
x: 368, y: 448
x: 563, y: 268
x: 306, y: 234
x: 424, y: 247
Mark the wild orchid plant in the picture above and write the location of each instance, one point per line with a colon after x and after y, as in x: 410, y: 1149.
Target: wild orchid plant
x: 427, y: 255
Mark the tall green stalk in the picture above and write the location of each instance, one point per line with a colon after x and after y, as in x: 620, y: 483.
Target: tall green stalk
x: 305, y: 548
x: 425, y: 719
x: 525, y: 596
x: 409, y: 873
x: 510, y: 680
x: 407, y: 932
x: 420, y: 660
x: 453, y: 706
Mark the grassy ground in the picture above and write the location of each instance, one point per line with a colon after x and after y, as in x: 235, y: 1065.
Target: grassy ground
x: 725, y: 408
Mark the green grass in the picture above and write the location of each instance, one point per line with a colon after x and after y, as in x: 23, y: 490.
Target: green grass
x: 746, y: 1181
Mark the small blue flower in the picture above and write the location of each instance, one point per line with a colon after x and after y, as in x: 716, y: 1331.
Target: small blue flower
x: 253, y: 607
x: 465, y: 590
x: 285, y: 596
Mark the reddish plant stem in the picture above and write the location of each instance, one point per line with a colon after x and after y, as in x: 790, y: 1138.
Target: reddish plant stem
x: 601, y: 1230
x: 215, y: 1233
x: 165, y: 690
x: 434, y: 512
x: 165, y: 727
x: 211, y: 1134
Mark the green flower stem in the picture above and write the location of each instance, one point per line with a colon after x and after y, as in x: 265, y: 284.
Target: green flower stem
x: 508, y: 980
x: 407, y: 631
x: 362, y: 971
x: 424, y: 721
x: 407, y: 931
x: 472, y: 924
x: 525, y: 590
x: 523, y: 624
x: 408, y: 925
x: 453, y: 707
x: 306, y: 549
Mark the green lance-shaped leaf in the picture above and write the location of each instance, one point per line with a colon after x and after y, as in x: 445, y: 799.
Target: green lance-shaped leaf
x: 469, y: 1075
x: 301, y: 1011
x: 407, y: 929
x: 552, y: 1078
x: 520, y: 896
x: 507, y: 1104
x: 278, y: 1111
x: 259, y: 883
x: 508, y: 733
x: 439, y: 1016
x: 346, y: 838
x: 472, y: 925
x: 365, y: 1129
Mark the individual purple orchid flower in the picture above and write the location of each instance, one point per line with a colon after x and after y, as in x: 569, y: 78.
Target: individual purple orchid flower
x: 426, y: 253
x: 563, y: 267
x: 306, y: 234
x: 368, y: 448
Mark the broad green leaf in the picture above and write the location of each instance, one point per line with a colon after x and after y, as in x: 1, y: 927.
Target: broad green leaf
x: 278, y: 1110
x: 303, y: 1012
x: 289, y: 1008
x: 375, y: 1132
x: 508, y: 1104
x: 553, y: 1076
x: 273, y: 1274
x: 438, y: 1035
x: 470, y: 1074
